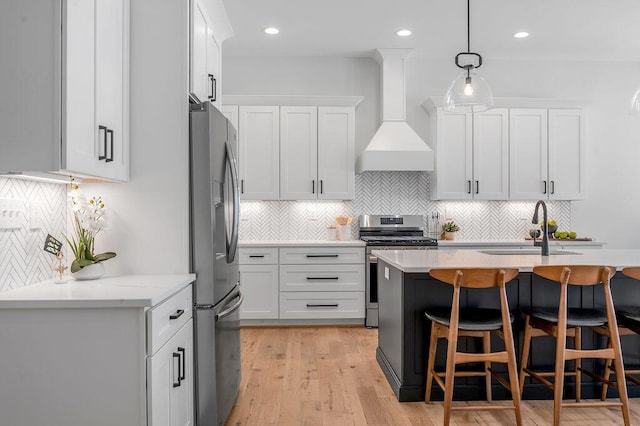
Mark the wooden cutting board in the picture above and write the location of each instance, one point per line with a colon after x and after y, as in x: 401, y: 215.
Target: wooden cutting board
x: 561, y: 239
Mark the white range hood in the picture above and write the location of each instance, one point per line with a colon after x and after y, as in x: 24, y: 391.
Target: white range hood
x: 395, y: 145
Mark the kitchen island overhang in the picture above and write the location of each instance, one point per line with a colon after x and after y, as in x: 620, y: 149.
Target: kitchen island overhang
x: 406, y: 289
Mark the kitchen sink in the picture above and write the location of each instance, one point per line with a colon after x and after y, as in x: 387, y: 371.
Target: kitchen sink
x: 521, y: 252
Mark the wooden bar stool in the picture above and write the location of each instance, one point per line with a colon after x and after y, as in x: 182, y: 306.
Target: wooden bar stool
x: 556, y: 323
x: 474, y: 322
x: 628, y: 325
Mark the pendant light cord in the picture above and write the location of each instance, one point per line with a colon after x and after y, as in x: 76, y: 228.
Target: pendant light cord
x: 468, y: 28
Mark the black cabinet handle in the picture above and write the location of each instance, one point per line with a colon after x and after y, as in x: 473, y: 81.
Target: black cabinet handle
x: 313, y: 305
x: 323, y: 278
x: 468, y: 187
x: 553, y: 187
x: 110, y: 158
x: 321, y: 186
x: 242, y: 186
x: 545, y: 187
x: 177, y: 315
x: 313, y: 186
x: 104, y: 142
x: 184, y: 364
x: 322, y: 255
x: 477, y: 187
x: 177, y: 355
x: 256, y: 255
x: 212, y: 94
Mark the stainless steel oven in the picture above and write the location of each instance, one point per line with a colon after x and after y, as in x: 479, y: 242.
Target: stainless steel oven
x: 389, y: 232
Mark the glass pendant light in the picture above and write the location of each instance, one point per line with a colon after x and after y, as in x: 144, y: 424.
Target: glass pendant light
x: 469, y: 89
x: 635, y: 103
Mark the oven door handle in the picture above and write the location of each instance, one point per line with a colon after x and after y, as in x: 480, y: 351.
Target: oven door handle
x: 373, y: 259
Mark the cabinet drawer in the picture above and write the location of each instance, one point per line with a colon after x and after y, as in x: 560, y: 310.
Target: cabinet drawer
x: 258, y: 256
x: 325, y: 255
x: 165, y: 319
x: 319, y: 305
x: 322, y: 278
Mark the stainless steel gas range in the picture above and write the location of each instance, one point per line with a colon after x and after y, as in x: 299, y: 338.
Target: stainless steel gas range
x: 388, y: 232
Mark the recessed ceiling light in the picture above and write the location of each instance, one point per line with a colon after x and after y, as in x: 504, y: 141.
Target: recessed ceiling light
x: 271, y: 30
x: 403, y: 33
x: 521, y: 34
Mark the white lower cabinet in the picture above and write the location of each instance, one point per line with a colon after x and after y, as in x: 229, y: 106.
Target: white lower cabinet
x: 302, y: 282
x: 98, y: 365
x: 170, y: 381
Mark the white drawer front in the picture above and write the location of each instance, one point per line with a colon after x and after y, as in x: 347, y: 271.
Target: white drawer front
x: 320, y: 305
x: 258, y: 256
x: 165, y: 319
x: 317, y: 255
x: 322, y: 278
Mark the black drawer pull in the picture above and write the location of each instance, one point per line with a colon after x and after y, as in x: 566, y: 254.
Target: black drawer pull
x: 323, y: 278
x: 104, y: 142
x: 253, y: 256
x: 322, y: 255
x: 177, y: 355
x: 177, y: 315
x: 184, y: 364
x: 312, y: 305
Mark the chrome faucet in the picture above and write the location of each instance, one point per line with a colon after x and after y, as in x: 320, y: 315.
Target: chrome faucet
x: 545, y: 227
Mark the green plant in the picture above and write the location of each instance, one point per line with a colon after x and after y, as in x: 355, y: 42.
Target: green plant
x: 450, y: 227
x: 89, y: 218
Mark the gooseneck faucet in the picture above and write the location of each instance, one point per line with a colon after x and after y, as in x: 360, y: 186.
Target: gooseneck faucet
x: 545, y: 226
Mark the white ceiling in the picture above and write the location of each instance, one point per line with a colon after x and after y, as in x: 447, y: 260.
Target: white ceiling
x: 560, y: 29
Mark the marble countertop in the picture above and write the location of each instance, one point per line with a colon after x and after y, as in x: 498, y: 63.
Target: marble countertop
x: 113, y: 292
x: 300, y: 243
x: 513, y: 242
x: 425, y: 260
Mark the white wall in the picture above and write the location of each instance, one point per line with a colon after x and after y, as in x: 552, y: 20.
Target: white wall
x: 612, y: 134
x: 149, y: 215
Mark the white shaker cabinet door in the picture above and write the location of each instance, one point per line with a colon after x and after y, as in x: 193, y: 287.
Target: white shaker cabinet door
x: 299, y: 153
x: 528, y: 154
x: 567, y: 155
x: 170, y: 377
x: 491, y: 155
x: 336, y: 153
x: 259, y: 152
x: 454, y: 155
x: 259, y: 284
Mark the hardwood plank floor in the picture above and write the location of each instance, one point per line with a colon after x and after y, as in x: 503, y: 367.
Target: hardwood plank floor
x: 329, y: 376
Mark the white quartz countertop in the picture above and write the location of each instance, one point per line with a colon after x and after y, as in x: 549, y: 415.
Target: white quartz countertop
x: 114, y: 292
x: 513, y: 243
x: 425, y: 260
x: 299, y: 243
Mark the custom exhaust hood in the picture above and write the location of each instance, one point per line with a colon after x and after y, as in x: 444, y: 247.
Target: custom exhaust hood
x: 395, y: 145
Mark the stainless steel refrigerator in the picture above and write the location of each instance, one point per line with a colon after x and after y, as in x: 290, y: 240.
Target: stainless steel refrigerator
x: 215, y: 217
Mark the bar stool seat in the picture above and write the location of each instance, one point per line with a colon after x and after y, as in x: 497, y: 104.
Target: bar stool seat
x: 470, y: 319
x: 576, y: 317
x: 627, y: 318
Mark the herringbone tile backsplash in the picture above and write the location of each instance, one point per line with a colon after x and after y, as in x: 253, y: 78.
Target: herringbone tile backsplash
x: 22, y: 260
x: 393, y: 193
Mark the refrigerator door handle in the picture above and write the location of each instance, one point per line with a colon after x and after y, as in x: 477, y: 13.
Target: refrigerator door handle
x: 233, y: 244
x: 231, y: 309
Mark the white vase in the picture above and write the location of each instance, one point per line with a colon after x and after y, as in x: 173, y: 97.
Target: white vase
x: 89, y: 272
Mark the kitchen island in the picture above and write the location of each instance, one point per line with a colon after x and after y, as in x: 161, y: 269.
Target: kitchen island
x: 405, y: 289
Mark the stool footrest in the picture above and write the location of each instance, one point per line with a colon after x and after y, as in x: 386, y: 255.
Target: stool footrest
x: 597, y: 377
x: 539, y: 378
x: 500, y: 379
x: 481, y: 407
x: 591, y: 404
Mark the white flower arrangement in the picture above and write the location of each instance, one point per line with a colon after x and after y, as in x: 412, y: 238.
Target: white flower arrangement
x: 89, y: 218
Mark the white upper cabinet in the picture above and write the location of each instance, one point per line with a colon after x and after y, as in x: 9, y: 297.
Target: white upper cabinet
x: 567, y: 175
x: 204, y: 75
x: 336, y: 153
x: 471, y: 155
x: 299, y: 153
x: 491, y: 155
x: 81, y: 124
x: 259, y: 152
x: 547, y: 154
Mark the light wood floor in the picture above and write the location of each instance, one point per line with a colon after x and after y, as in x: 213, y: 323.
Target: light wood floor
x: 329, y: 376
